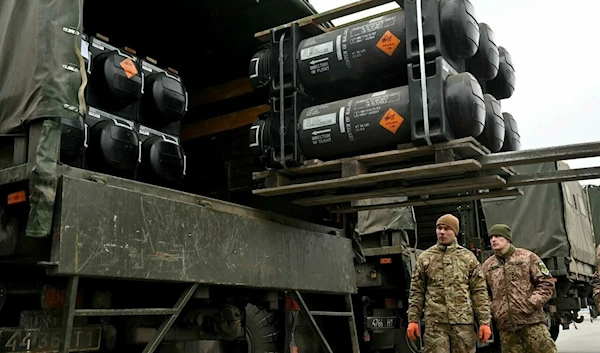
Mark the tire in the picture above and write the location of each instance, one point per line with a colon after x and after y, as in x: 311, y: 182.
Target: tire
x: 262, y: 336
x: 262, y: 333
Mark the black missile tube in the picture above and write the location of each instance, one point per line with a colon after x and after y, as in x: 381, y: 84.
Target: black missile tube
x: 381, y: 120
x: 455, y: 104
x: 503, y: 85
x: 492, y: 136
x: 485, y: 63
x: 372, y: 50
x: 512, y: 138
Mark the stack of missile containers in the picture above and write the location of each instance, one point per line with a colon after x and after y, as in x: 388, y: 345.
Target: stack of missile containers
x: 132, y: 125
x: 358, y: 89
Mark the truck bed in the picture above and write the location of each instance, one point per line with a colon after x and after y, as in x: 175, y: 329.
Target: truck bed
x: 116, y: 228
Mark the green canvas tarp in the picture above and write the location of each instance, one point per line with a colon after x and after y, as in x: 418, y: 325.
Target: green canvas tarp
x: 551, y: 220
x: 39, y: 79
x: 593, y: 194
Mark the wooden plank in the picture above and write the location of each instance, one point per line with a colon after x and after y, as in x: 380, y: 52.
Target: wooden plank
x: 424, y: 171
x: 327, y: 16
x: 353, y: 168
x: 364, y: 19
x: 374, y: 159
x: 223, y: 122
x: 221, y: 92
x: 493, y: 181
x: 431, y: 202
x: 316, y: 168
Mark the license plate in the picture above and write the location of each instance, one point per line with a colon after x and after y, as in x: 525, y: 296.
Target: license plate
x: 381, y: 322
x: 48, y: 340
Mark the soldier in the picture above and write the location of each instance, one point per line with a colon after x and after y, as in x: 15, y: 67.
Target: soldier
x: 520, y: 285
x: 448, y: 283
x: 596, y: 280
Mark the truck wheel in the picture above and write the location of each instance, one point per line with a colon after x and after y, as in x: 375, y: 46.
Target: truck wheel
x: 262, y: 333
x: 262, y: 336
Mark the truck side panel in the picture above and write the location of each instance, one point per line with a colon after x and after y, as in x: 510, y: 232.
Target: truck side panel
x: 110, y: 231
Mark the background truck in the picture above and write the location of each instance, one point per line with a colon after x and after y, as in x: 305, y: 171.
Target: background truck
x: 553, y: 220
x: 137, y: 217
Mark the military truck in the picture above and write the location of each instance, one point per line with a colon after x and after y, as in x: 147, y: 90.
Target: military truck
x: 132, y: 219
x: 554, y: 221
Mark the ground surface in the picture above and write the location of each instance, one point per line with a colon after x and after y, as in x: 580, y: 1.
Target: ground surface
x: 584, y: 339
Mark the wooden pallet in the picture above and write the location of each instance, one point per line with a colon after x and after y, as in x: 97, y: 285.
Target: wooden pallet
x: 316, y: 24
x: 440, y: 169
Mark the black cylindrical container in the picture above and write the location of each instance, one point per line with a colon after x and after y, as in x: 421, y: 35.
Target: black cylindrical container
x: 485, y: 63
x: 117, y: 78
x: 256, y: 138
x: 512, y: 138
x: 162, y: 160
x: 72, y: 139
x: 259, y: 68
x: 113, y: 147
x: 503, y: 85
x: 465, y: 106
x: 381, y: 120
x: 355, y: 125
x: 459, y: 28
x: 493, y: 133
x: 373, y: 49
x: 164, y: 100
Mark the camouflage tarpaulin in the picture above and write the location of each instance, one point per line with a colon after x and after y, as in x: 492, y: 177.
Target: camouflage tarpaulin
x: 39, y: 78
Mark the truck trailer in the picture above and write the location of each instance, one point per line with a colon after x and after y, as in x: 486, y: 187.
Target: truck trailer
x: 162, y: 195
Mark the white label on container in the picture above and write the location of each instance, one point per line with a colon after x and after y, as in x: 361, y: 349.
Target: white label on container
x: 85, y: 49
x: 256, y: 61
x: 98, y: 46
x: 319, y: 121
x: 317, y: 50
x: 379, y: 94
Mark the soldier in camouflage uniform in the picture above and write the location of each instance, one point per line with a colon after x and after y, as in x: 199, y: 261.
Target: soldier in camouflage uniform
x: 448, y: 283
x: 596, y: 280
x: 520, y: 285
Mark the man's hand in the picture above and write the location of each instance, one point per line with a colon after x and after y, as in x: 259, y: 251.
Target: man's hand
x: 485, y: 332
x: 413, y: 331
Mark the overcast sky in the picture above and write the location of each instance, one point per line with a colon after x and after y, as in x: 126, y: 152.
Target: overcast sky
x: 554, y: 50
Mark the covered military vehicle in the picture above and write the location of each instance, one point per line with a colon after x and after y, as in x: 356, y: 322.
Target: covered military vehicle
x: 592, y: 192
x: 555, y: 222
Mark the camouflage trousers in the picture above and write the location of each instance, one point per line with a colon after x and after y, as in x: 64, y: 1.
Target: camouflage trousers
x: 446, y: 338
x: 530, y: 339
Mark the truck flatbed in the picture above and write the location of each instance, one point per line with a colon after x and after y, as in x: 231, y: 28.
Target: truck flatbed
x: 111, y: 227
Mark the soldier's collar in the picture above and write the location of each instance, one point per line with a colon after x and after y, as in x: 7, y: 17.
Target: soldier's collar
x: 452, y: 245
x: 508, y: 254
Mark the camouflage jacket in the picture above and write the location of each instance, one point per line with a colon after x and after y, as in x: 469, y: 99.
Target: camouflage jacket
x: 596, y: 279
x: 520, y: 286
x: 448, y: 283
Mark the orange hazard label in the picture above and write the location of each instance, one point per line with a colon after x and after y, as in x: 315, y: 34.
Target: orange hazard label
x: 391, y: 121
x: 388, y: 43
x: 129, y: 67
x: 16, y: 197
